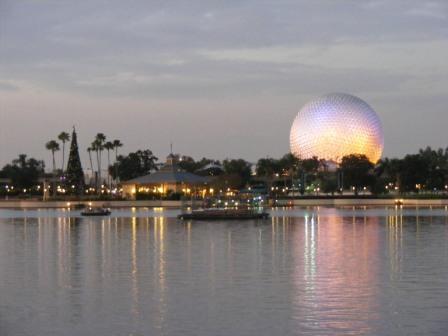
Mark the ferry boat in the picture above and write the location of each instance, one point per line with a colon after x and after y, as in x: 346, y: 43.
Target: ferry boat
x: 95, y: 212
x: 223, y: 214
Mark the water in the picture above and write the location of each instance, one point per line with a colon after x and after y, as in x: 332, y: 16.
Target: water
x: 310, y: 271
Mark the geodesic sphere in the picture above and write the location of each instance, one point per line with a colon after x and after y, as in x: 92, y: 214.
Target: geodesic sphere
x: 335, y: 125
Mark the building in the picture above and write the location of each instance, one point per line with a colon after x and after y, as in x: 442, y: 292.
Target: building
x: 4, y: 185
x: 169, y: 179
x: 333, y: 126
x: 5, y: 181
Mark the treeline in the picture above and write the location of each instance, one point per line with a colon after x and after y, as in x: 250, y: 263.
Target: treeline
x: 425, y: 171
x: 422, y: 172
x: 21, y: 176
x: 25, y: 175
x: 99, y: 145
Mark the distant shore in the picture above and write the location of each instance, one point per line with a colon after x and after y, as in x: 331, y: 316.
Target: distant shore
x: 30, y: 204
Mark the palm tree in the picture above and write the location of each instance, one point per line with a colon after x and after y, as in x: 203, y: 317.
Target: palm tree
x: 98, y: 146
x: 63, y: 136
x: 94, y: 148
x: 108, y: 146
x: 52, y: 146
x: 117, y: 144
x: 89, y: 150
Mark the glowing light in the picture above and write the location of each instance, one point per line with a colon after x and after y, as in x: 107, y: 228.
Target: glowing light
x: 336, y: 125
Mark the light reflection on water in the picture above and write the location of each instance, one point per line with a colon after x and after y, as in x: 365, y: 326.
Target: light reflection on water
x: 314, y: 271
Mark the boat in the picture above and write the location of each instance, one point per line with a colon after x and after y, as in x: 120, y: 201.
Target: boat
x: 223, y: 214
x: 95, y: 212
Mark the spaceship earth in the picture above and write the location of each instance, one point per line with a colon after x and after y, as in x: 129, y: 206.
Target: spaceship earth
x: 335, y: 125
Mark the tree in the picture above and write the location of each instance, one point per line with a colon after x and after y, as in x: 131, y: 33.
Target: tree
x: 437, y: 163
x: 426, y: 170
x: 52, y: 146
x: 308, y: 169
x: 64, y: 137
x: 117, y: 144
x: 74, y: 173
x: 358, y: 171
x: 414, y: 173
x: 98, y: 147
x: 240, y: 168
x: 267, y: 167
x: 24, y: 172
x: 310, y: 166
x: 90, y: 150
x: 188, y: 164
x: 108, y: 146
x: 289, y: 166
x: 389, y: 171
x: 288, y: 163
x: 328, y: 182
x: 133, y: 165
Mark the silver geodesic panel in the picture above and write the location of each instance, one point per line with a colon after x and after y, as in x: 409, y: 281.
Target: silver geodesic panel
x: 336, y: 125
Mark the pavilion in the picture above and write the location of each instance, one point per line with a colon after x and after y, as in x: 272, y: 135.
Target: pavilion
x: 168, y: 179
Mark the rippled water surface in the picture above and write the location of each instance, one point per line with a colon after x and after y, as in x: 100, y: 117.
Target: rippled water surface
x: 306, y: 271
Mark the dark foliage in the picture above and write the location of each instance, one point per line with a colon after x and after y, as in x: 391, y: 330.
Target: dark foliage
x: 24, y: 172
x: 239, y: 168
x: 133, y: 165
x: 358, y: 171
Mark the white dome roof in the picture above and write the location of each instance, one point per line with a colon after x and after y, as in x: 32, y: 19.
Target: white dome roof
x: 335, y: 125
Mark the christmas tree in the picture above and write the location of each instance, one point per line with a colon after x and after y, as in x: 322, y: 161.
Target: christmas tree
x: 74, y: 175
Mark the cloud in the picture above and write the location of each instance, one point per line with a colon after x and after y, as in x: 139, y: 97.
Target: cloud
x: 433, y: 10
x: 5, y: 86
x: 425, y: 56
x: 234, y: 57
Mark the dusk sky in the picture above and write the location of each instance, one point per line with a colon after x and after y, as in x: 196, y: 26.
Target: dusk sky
x: 217, y: 78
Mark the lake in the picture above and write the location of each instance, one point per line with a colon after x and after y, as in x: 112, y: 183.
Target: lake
x: 305, y: 271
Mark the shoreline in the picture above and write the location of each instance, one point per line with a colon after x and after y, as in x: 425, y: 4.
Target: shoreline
x: 335, y: 202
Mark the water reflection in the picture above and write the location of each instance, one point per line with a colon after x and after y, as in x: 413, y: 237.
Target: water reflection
x: 327, y: 271
x: 328, y: 295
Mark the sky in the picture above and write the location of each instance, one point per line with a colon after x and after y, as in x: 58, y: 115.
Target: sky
x: 218, y: 79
